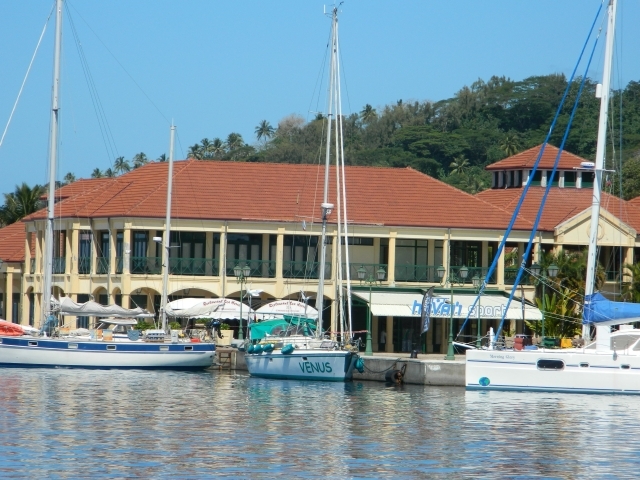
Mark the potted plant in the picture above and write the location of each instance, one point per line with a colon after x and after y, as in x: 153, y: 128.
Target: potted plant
x: 175, y: 326
x: 227, y: 335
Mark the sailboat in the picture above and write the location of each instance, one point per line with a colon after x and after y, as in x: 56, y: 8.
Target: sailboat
x: 44, y: 350
x: 611, y: 363
x: 295, y: 346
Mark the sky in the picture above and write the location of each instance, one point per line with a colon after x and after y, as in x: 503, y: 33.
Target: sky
x: 217, y: 67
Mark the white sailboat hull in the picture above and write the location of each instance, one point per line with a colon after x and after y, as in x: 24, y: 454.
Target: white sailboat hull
x: 34, y: 352
x: 320, y: 364
x: 580, y: 372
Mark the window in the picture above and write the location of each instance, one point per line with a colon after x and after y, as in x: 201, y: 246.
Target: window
x: 32, y: 308
x: 536, y: 181
x: 554, y: 178
x: 545, y: 364
x: 358, y: 241
x: 569, y: 179
x: 84, y: 252
x: 587, y: 179
x: 82, y: 322
x: 140, y: 242
x: 15, y: 314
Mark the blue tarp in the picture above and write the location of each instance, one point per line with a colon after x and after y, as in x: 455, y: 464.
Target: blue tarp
x: 600, y: 311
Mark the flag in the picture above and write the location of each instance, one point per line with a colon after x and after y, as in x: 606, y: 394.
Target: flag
x: 426, y: 309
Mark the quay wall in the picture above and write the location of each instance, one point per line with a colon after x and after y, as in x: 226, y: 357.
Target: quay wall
x: 431, y: 371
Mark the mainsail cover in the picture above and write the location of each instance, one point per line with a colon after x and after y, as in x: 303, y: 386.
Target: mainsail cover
x: 214, y: 308
x: 94, y: 309
x: 601, y: 311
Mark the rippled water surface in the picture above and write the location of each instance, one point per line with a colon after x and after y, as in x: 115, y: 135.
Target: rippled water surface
x: 135, y: 424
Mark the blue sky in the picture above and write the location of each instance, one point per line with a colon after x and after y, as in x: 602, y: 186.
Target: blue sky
x: 216, y: 67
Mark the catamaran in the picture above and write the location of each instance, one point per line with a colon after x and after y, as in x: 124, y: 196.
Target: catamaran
x: 79, y: 351
x: 611, y: 363
x: 295, y: 346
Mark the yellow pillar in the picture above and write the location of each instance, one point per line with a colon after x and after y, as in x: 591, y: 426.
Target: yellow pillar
x: 389, y: 345
x: 9, y: 293
x: 375, y: 337
x: 391, y: 266
x: 71, y: 251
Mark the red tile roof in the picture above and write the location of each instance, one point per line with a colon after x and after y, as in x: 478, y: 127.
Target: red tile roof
x: 280, y: 192
x: 12, y: 242
x: 561, y: 205
x: 526, y: 159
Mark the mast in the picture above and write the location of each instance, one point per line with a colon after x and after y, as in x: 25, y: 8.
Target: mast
x: 167, y: 234
x: 326, y: 207
x: 47, y: 287
x: 592, y: 260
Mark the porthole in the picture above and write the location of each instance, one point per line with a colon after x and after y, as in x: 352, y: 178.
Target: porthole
x: 584, y: 365
x: 188, y: 349
x: 549, y: 364
x: 33, y: 344
x: 111, y: 347
x: 625, y: 366
x: 72, y: 345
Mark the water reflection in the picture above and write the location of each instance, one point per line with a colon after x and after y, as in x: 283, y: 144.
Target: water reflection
x: 74, y: 423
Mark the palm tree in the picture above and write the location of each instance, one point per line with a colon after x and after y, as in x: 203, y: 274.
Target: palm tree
x: 195, y: 152
x: 97, y: 173
x: 217, y: 148
x: 109, y: 173
x: 69, y: 178
x: 459, y: 164
x: 368, y: 113
x: 234, y: 140
x: 140, y: 159
x: 631, y: 288
x: 264, y: 130
x: 121, y: 166
x: 23, y: 201
x: 510, y: 145
x: 162, y: 158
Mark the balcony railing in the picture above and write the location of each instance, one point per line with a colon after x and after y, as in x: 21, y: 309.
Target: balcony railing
x: 259, y: 268
x: 146, y: 265
x: 119, y: 265
x: 416, y: 273
x: 84, y: 265
x: 32, y: 266
x: 102, y: 266
x: 511, y: 273
x: 194, y: 266
x: 59, y: 265
x: 481, y: 272
x: 371, y: 268
x: 292, y: 269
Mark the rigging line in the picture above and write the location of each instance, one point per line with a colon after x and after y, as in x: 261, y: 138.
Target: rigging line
x: 531, y: 174
x: 122, y: 66
x: 103, y: 124
x: 319, y: 79
x: 26, y: 76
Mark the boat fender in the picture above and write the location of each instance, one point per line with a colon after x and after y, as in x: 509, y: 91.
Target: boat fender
x: 250, y: 349
x: 395, y: 376
x: 287, y: 349
x: 257, y: 348
x: 268, y: 348
x: 360, y: 365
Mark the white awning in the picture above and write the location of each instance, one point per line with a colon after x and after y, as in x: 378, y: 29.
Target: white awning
x: 216, y: 308
x: 491, y: 307
x: 285, y: 307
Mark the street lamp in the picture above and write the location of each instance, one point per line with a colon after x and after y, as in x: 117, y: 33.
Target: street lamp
x: 242, y: 274
x: 552, y: 272
x: 362, y: 276
x: 477, y: 283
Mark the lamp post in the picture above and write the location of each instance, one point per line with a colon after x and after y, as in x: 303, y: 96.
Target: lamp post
x: 362, y: 276
x: 477, y: 283
x: 463, y: 272
x: 552, y: 272
x: 242, y: 274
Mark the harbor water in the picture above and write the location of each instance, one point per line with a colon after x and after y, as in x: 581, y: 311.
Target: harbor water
x: 138, y: 424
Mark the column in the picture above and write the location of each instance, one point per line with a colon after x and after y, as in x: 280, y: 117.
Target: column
x: 126, y: 260
x: 264, y: 255
x: 208, y: 254
x: 113, y: 233
x: 521, y: 248
x: 500, y: 269
x: 279, y: 253
x: 389, y: 345
x: 9, y: 293
x: 39, y: 266
x: 391, y: 267
x: 222, y: 264
x: 71, y: 251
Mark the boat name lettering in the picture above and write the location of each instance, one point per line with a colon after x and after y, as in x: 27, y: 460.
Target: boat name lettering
x: 309, y: 367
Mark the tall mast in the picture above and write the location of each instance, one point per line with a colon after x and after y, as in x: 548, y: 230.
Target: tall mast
x: 53, y: 158
x: 326, y: 207
x: 592, y: 260
x: 167, y: 234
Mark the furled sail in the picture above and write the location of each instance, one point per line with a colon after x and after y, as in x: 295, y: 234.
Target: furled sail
x: 93, y: 309
x: 601, y: 311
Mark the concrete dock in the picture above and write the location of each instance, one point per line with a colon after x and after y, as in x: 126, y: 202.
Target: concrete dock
x: 427, y: 369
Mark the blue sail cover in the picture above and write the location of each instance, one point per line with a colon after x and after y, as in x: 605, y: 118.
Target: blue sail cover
x: 600, y: 311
